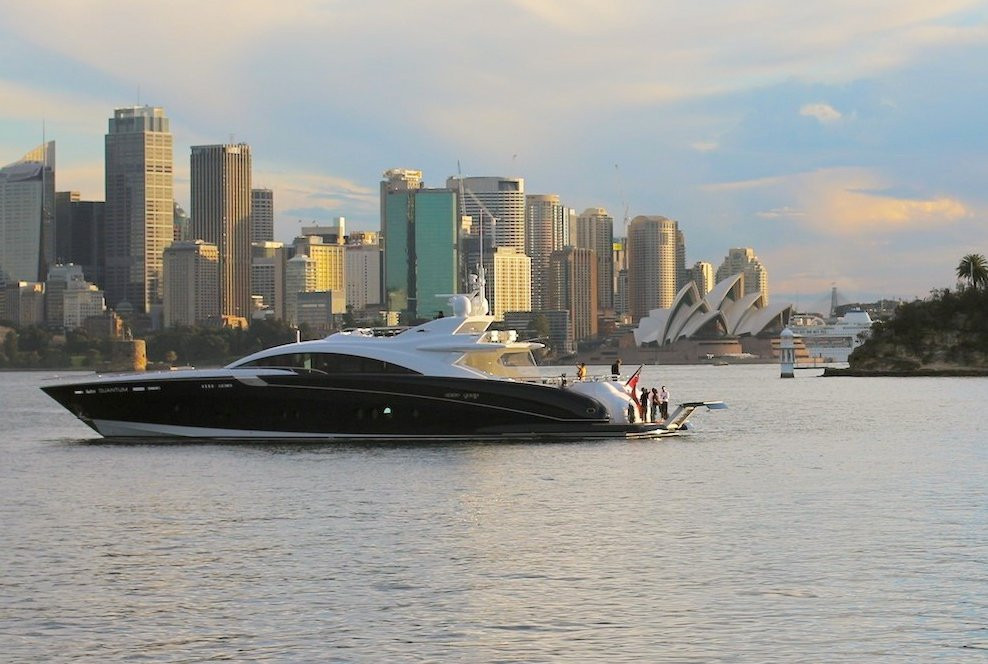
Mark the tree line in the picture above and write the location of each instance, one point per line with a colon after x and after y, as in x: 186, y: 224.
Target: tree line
x: 35, y: 347
x: 947, y: 329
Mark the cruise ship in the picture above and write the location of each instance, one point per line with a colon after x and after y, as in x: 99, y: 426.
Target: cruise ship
x: 832, y: 341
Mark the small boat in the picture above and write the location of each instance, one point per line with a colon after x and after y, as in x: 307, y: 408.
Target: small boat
x: 451, y: 378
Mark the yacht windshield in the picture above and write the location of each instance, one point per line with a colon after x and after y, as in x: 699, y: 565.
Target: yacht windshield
x: 506, y: 363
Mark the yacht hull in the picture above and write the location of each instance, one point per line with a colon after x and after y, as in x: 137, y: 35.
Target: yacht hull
x: 308, y: 406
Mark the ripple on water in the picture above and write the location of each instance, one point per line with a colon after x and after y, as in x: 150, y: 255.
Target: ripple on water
x: 815, y: 520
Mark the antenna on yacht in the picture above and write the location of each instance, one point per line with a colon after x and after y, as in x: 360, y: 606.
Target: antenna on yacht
x: 479, y: 296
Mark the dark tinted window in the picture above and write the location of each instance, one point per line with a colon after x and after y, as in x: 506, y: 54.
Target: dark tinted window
x: 331, y: 363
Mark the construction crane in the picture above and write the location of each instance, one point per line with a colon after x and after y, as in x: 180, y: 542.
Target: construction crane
x: 624, y: 201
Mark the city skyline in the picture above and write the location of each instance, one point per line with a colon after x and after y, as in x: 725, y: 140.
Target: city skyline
x: 842, y: 142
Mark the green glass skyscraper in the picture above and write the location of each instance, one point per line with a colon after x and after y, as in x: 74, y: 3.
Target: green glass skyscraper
x: 420, y: 251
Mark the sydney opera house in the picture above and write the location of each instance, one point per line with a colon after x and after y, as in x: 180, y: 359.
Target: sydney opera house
x: 724, y: 322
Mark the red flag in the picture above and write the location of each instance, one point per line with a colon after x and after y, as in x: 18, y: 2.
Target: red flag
x: 633, y: 381
x: 633, y: 384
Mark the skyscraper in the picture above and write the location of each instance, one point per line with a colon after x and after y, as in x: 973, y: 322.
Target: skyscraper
x: 329, y: 264
x: 743, y: 259
x: 573, y: 286
x: 139, y: 209
x: 221, y: 197
x: 27, y: 213
x: 397, y: 180
x: 261, y: 215
x: 300, y: 277
x: 504, y: 198
x: 421, y: 254
x: 652, y: 264
x: 681, y: 275
x: 191, y: 283
x: 363, y: 276
x: 595, y: 231
x: 79, y: 233
x: 267, y: 275
x: 703, y: 277
x: 509, y: 281
x: 545, y: 230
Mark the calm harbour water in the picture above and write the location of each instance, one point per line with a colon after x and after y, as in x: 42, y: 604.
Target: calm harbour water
x: 816, y: 520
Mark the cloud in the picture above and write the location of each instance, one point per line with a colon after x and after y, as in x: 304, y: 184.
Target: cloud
x: 705, y: 146
x: 304, y: 197
x: 824, y: 113
x: 844, y: 202
x: 783, y: 212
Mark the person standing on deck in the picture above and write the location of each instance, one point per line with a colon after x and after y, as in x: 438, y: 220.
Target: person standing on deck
x: 643, y: 404
x: 664, y: 403
x: 581, y: 371
x: 655, y: 405
x: 616, y: 368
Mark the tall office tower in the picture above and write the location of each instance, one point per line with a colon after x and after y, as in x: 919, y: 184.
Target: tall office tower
x: 681, y: 275
x: 363, y: 276
x: 330, y: 266
x: 397, y: 180
x: 743, y: 259
x: 545, y: 229
x: 703, y: 277
x: 267, y: 275
x: 27, y: 216
x: 595, y: 230
x: 63, y: 225
x: 573, y: 286
x: 182, y: 225
x: 140, y: 203
x: 191, y: 283
x: 420, y: 251
x: 300, y: 277
x: 221, y: 215
x: 652, y: 256
x: 509, y: 281
x: 261, y: 215
x: 504, y: 198
x: 79, y: 233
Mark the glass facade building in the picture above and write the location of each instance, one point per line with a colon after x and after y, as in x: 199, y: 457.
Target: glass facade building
x: 420, y: 251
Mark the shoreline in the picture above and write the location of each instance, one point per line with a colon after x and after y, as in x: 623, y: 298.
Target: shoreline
x: 956, y: 372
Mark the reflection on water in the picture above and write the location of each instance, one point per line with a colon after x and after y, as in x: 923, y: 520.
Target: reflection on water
x: 816, y: 520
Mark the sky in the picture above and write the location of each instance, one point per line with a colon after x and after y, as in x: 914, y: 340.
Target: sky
x: 845, y: 141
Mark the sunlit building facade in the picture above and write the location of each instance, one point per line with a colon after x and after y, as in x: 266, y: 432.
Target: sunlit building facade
x: 139, y: 212
x: 595, y: 231
x: 653, y: 252
x: 742, y: 260
x: 545, y: 232
x: 497, y: 206
x: 27, y: 214
x: 573, y: 286
x: 221, y: 203
x: 509, y: 281
x: 191, y: 283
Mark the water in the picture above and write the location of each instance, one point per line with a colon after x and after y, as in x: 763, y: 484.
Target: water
x: 816, y: 520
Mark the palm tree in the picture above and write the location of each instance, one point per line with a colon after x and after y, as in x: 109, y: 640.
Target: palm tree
x: 973, y: 269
